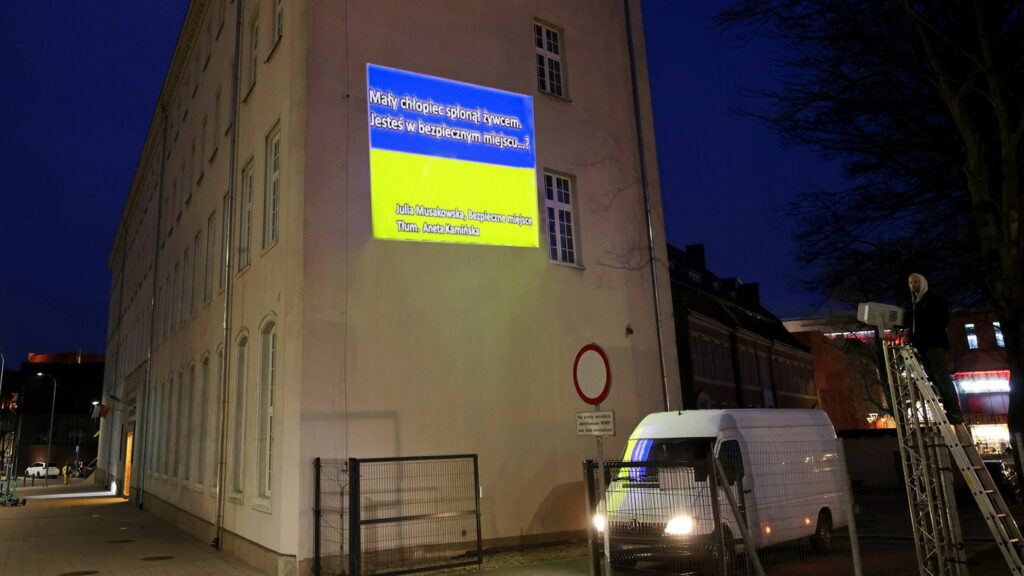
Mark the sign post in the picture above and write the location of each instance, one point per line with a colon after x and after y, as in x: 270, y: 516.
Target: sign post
x: 592, y: 376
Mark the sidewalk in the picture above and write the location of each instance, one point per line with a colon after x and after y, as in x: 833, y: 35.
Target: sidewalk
x: 80, y: 530
x: 76, y: 529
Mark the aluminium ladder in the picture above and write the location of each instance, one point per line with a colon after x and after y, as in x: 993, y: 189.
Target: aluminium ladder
x: 923, y: 432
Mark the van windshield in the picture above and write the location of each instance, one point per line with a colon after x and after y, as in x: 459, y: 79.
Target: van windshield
x: 668, y: 450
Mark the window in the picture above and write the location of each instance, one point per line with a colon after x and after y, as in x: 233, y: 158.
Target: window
x: 176, y: 306
x: 185, y: 424
x: 225, y: 222
x: 265, y: 432
x: 548, y: 45
x: 211, y: 224
x: 278, y: 21
x: 245, y: 219
x: 272, y: 188
x: 202, y: 409
x: 218, y: 415
x: 254, y: 37
x: 972, y: 336
x: 238, y: 419
x: 999, y: 334
x: 197, y: 269
x: 215, y: 136
x: 561, y: 224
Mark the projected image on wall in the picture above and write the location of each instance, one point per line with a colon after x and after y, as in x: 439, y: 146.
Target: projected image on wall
x: 449, y: 161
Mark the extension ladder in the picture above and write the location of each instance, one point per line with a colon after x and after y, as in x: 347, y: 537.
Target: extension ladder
x: 923, y: 431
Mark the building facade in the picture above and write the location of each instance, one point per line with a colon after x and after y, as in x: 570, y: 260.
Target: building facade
x: 261, y: 316
x: 733, y: 353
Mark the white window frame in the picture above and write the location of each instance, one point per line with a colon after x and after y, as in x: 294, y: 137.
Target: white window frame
x: 562, y: 225
x: 272, y: 189
x: 278, y: 21
x: 238, y: 419
x: 211, y: 257
x: 549, y: 57
x: 245, y: 216
x: 265, y: 410
x: 254, y: 46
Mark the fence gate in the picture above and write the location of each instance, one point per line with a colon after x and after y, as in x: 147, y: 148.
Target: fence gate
x: 385, y: 516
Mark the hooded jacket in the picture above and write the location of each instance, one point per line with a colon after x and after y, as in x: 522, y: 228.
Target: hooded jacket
x: 927, y: 319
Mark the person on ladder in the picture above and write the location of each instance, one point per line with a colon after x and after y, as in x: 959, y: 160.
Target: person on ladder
x: 927, y: 320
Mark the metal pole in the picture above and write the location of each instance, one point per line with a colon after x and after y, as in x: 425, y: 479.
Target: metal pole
x: 316, y: 515
x: 49, y: 437
x: 851, y: 518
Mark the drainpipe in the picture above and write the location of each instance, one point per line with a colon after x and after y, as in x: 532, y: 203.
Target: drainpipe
x: 147, y: 393
x: 651, y: 256
x: 226, y: 320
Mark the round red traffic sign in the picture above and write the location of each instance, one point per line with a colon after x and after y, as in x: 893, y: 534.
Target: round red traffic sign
x: 592, y: 374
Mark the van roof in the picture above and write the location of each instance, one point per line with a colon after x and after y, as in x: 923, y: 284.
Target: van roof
x: 708, y: 423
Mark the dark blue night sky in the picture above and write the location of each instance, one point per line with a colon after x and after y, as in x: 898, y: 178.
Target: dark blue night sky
x: 79, y: 89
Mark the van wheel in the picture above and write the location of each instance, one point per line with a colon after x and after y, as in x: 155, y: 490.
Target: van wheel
x: 822, y: 540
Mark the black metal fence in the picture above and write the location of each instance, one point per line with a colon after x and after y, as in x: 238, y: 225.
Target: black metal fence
x: 386, y: 516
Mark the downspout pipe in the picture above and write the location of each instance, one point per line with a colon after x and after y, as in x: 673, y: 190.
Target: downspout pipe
x: 645, y: 185
x: 225, y: 364
x: 147, y: 396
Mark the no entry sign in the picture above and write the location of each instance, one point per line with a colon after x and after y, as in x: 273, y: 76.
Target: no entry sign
x: 591, y: 374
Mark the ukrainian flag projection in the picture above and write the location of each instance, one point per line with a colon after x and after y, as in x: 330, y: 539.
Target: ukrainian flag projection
x: 450, y: 162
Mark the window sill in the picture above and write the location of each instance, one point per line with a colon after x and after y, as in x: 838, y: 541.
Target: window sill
x: 235, y: 497
x: 553, y: 95
x: 262, y: 504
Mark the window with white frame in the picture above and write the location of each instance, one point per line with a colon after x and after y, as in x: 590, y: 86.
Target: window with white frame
x: 254, y: 59
x: 265, y: 425
x: 998, y: 329
x: 197, y: 270
x: 278, y: 20
x: 238, y: 419
x: 202, y: 412
x: 218, y: 419
x: 561, y: 221
x: 245, y: 218
x: 225, y: 237
x: 272, y: 188
x: 185, y: 424
x: 972, y: 336
x: 549, y: 50
x: 211, y: 230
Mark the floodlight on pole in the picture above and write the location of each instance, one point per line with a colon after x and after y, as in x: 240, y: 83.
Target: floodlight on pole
x: 49, y: 437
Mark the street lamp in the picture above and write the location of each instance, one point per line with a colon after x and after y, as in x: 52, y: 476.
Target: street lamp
x: 49, y: 437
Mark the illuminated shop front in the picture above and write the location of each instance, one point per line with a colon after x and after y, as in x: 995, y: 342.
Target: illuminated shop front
x: 985, y: 397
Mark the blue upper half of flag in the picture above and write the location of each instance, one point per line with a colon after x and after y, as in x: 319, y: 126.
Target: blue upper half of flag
x: 430, y: 116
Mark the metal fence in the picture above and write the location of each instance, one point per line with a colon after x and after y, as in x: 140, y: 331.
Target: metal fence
x: 775, y: 508
x: 385, y: 516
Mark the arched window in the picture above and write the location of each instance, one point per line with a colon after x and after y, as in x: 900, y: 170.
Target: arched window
x: 238, y: 417
x: 265, y: 408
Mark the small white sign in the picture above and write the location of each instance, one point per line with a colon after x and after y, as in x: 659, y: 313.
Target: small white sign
x: 595, y: 423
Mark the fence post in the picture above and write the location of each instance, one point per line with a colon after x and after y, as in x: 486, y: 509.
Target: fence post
x: 476, y: 489
x: 355, y: 545
x: 593, y: 548
x: 316, y: 516
x: 851, y: 516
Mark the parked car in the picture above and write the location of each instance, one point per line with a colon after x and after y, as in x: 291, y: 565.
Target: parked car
x: 1005, y: 479
x: 41, y: 469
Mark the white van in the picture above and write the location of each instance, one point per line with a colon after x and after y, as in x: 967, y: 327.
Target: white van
x: 782, y: 467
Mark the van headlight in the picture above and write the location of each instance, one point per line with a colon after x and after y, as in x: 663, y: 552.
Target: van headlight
x: 599, y: 522
x: 680, y: 526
